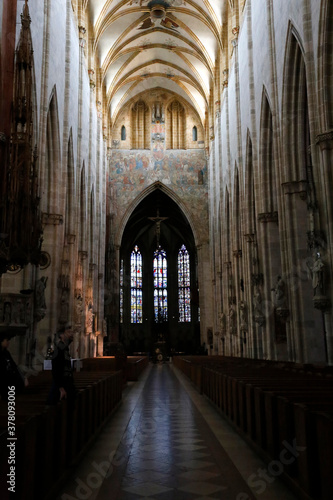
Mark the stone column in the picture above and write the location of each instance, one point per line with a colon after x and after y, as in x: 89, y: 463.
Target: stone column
x: 325, y: 143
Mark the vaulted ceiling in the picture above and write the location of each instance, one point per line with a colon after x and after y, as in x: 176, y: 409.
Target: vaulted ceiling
x: 168, y: 44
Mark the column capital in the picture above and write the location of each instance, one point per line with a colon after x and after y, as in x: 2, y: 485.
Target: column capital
x: 325, y: 140
x: 296, y: 187
x: 54, y: 219
x: 268, y: 217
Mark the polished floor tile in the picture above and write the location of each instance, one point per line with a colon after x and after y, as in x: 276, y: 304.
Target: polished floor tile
x: 167, y: 443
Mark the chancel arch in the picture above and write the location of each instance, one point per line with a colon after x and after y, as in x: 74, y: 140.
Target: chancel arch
x: 154, y: 234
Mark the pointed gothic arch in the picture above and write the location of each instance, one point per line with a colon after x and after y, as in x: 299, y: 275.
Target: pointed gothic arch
x: 300, y: 202
x: 325, y: 67
x: 123, y: 133
x: 52, y: 157
x: 175, y: 125
x: 70, y: 209
x: 295, y: 109
x: 197, y: 231
x: 83, y: 210
x: 250, y: 189
x: 268, y: 193
x: 92, y: 225
x: 227, y: 225
x: 158, y: 228
x: 140, y: 129
x: 237, y: 213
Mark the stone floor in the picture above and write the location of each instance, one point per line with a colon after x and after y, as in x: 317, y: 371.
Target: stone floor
x: 166, y: 442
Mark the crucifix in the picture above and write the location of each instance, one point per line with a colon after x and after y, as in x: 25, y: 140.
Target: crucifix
x: 158, y: 221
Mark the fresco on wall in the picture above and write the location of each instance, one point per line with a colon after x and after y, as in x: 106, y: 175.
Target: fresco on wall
x: 183, y: 171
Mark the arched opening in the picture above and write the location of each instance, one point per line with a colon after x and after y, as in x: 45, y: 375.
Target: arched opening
x: 175, y: 126
x: 123, y: 133
x: 269, y: 229
x: 157, y: 285
x: 52, y: 157
x: 267, y: 160
x: 140, y: 125
x: 83, y: 211
x: 70, y: 190
x: 306, y: 338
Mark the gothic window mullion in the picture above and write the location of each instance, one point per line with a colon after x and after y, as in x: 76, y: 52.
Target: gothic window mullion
x: 160, y: 286
x: 136, y: 286
x: 184, y: 286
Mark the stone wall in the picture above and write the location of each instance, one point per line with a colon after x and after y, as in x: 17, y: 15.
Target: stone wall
x: 71, y: 153
x: 247, y: 156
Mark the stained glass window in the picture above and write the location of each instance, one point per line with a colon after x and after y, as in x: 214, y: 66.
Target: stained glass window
x: 121, y: 291
x: 136, y: 286
x: 184, y: 286
x: 160, y: 286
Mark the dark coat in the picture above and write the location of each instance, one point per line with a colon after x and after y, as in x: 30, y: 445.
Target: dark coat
x: 9, y: 375
x: 62, y: 373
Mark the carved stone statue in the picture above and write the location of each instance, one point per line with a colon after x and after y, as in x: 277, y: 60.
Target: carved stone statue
x: 243, y: 316
x: 280, y: 293
x: 222, y: 321
x: 318, y: 276
x: 64, y: 307
x: 257, y: 301
x: 40, y: 304
x: 40, y: 293
x: 258, y: 312
x: 78, y: 308
x: 90, y: 319
x: 7, y: 313
x: 232, y: 320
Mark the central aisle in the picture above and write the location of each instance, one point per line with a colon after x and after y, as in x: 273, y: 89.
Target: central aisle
x: 158, y: 446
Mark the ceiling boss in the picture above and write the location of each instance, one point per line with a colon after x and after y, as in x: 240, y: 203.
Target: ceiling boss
x: 158, y: 16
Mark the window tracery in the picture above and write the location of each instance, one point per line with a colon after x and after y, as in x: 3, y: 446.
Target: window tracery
x: 136, y: 286
x: 160, y: 266
x: 184, y: 290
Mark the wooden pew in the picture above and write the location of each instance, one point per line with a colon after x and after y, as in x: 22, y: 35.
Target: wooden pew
x: 272, y: 405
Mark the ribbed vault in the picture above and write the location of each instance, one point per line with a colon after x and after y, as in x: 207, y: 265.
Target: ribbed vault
x: 170, y: 44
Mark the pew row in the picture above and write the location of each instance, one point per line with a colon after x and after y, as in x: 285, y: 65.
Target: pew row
x: 51, y: 439
x: 276, y: 407
x: 132, y: 366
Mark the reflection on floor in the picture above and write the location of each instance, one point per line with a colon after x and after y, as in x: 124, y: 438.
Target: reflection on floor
x: 166, y: 442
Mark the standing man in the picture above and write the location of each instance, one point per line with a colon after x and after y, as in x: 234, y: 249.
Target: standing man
x: 10, y: 375
x: 63, y: 383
